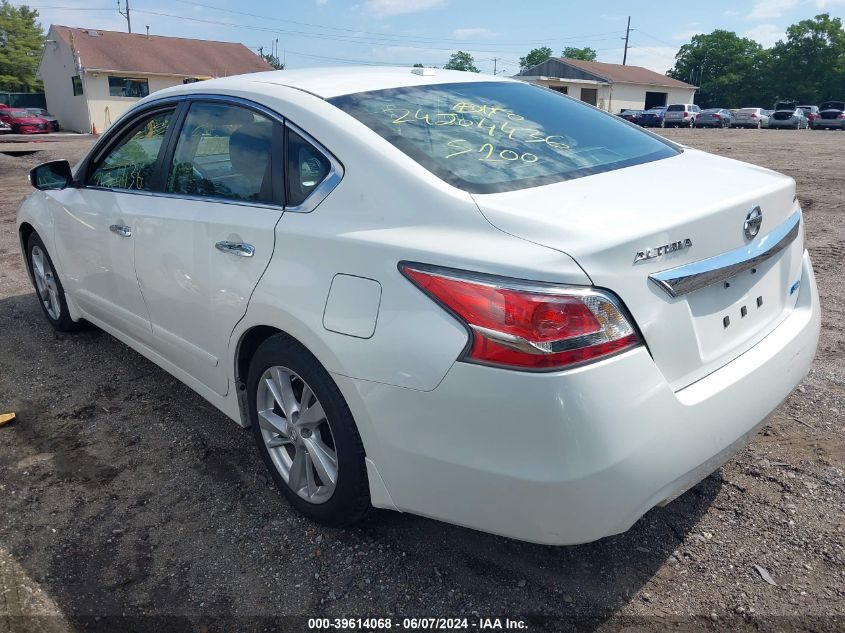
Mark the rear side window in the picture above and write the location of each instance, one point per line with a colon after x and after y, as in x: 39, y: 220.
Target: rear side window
x: 488, y: 137
x: 129, y: 164
x: 223, y: 151
x: 307, y: 168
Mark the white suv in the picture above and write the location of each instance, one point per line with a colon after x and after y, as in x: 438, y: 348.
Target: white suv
x: 681, y: 114
x: 438, y: 292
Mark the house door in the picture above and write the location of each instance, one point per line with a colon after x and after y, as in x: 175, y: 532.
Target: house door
x: 589, y: 95
x: 655, y: 100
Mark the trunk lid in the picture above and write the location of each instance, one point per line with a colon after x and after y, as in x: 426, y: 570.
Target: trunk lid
x: 603, y: 221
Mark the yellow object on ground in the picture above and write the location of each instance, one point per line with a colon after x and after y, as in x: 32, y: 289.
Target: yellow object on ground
x: 5, y: 418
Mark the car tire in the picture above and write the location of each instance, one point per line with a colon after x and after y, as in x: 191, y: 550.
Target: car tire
x: 297, y: 453
x: 48, y: 286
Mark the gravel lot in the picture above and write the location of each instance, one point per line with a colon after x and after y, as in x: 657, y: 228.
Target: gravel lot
x: 124, y: 494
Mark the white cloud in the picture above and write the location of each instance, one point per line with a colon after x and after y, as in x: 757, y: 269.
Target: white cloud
x: 383, y: 8
x: 764, y: 9
x: 767, y: 34
x: 826, y: 4
x: 656, y: 58
x: 684, y: 35
x: 730, y: 12
x: 470, y: 33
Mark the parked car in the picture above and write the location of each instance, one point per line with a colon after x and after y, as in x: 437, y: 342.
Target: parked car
x: 784, y: 118
x: 714, y: 117
x: 811, y: 112
x: 407, y: 324
x: 831, y: 116
x: 652, y: 117
x: 42, y: 113
x: 631, y: 115
x: 750, y: 118
x: 22, y: 122
x: 681, y: 114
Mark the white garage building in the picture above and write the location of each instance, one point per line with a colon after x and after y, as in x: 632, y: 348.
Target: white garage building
x: 611, y: 87
x: 92, y: 76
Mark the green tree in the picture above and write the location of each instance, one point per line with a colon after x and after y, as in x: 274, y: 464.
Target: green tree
x: 810, y: 65
x: 21, y: 40
x: 728, y: 69
x: 461, y: 61
x: 418, y: 66
x: 587, y: 54
x: 273, y: 60
x: 534, y: 57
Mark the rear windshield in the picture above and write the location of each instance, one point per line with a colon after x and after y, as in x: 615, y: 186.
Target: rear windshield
x: 676, y: 108
x: 832, y: 105
x: 489, y: 137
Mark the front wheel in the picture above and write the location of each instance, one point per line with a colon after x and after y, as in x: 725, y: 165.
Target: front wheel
x: 51, y: 293
x: 306, y: 434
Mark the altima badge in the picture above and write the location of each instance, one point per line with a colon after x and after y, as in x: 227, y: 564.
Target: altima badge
x: 753, y: 221
x: 657, y: 251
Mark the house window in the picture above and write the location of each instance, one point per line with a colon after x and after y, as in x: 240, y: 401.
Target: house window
x: 128, y: 87
x: 77, y: 85
x: 562, y: 89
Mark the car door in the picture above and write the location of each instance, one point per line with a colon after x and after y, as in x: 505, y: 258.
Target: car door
x: 94, y: 231
x: 204, y: 244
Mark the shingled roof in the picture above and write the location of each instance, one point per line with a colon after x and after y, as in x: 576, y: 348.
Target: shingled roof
x: 156, y: 54
x: 616, y: 73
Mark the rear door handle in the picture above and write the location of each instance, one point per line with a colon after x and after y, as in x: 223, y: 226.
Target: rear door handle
x: 121, y: 229
x: 240, y: 249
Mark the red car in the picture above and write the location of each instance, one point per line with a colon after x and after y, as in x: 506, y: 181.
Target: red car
x: 22, y: 122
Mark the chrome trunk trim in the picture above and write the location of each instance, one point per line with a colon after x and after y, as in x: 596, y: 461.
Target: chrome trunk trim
x: 696, y: 275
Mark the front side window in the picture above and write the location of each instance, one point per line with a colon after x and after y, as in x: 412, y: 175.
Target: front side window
x: 223, y: 151
x: 488, y: 137
x: 129, y: 165
x: 128, y: 87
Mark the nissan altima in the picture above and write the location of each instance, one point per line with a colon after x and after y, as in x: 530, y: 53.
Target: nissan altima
x: 461, y: 296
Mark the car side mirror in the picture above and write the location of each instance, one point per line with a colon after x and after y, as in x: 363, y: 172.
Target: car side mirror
x: 53, y: 175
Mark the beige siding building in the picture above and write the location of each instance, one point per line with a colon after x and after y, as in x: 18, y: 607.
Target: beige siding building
x: 611, y: 87
x: 91, y: 76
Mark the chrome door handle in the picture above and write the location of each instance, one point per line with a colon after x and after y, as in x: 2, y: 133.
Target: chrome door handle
x: 240, y: 249
x: 121, y: 229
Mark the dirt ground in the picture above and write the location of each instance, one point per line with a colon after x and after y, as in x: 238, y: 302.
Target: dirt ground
x: 124, y: 495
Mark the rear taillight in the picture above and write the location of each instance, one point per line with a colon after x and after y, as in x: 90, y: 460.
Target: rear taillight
x: 717, y: 116
x: 522, y: 325
x: 841, y: 115
x: 753, y: 116
x: 686, y: 113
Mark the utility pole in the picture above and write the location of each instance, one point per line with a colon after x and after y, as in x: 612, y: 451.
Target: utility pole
x: 627, y: 35
x: 495, y: 65
x: 125, y: 15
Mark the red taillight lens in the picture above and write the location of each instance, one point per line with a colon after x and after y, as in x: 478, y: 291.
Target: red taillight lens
x: 841, y: 115
x: 753, y: 116
x: 526, y: 326
x: 686, y: 113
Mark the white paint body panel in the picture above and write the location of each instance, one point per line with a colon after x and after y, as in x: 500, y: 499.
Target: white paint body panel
x: 542, y: 457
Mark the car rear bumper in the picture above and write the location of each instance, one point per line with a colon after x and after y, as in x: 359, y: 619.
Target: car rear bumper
x: 831, y: 123
x: 570, y: 457
x: 783, y: 123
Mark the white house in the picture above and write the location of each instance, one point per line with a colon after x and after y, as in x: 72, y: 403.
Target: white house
x: 92, y: 76
x: 611, y: 87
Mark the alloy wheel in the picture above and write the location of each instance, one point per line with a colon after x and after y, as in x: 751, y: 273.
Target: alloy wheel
x: 45, y: 282
x: 297, y: 434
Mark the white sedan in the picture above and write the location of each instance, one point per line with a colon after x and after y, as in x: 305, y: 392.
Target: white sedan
x: 444, y: 293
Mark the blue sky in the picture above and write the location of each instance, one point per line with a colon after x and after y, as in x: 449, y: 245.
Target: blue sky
x: 340, y: 32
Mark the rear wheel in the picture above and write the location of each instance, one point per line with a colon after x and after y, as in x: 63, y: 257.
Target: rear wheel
x: 48, y: 286
x: 306, y: 434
